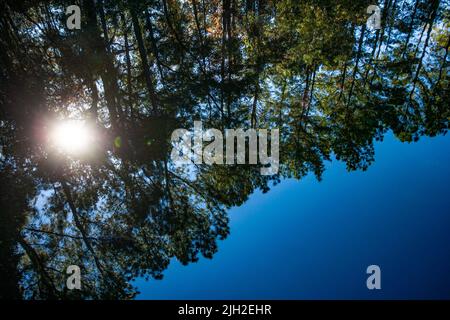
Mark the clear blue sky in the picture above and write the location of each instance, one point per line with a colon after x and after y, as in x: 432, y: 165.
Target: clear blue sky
x: 314, y: 240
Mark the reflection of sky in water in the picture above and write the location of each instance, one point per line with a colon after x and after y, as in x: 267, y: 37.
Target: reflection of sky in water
x: 314, y: 240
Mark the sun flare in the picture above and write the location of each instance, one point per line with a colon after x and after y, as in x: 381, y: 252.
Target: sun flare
x: 72, y: 137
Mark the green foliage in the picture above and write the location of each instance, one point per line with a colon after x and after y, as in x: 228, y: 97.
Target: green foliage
x: 137, y: 70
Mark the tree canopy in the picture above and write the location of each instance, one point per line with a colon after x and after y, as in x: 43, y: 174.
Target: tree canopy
x: 137, y: 70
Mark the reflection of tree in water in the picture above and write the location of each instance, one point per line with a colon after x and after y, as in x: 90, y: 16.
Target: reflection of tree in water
x: 139, y: 69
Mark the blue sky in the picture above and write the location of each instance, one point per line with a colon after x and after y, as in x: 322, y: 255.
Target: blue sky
x: 314, y: 240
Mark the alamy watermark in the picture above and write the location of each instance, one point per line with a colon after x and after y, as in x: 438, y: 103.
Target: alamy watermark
x: 188, y: 147
x: 74, y: 20
x: 374, y: 21
x: 374, y: 280
x: 74, y: 280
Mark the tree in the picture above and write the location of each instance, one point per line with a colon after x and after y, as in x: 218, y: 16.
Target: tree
x: 137, y: 70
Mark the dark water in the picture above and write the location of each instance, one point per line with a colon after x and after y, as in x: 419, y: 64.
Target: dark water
x: 314, y: 240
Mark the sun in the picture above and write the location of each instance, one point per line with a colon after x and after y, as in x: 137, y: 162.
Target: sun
x: 72, y: 137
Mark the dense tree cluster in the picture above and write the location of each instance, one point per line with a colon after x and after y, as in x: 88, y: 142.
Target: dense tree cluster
x: 138, y: 69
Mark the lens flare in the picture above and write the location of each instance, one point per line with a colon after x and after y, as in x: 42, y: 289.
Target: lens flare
x: 72, y: 137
